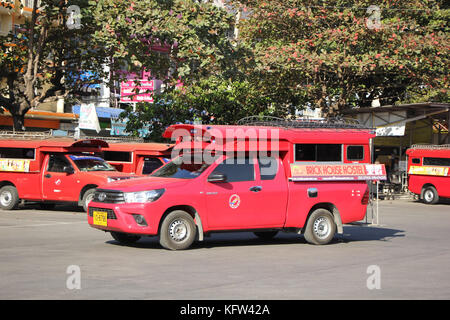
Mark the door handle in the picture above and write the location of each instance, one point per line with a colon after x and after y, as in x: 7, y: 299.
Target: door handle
x: 48, y: 175
x: 255, y: 189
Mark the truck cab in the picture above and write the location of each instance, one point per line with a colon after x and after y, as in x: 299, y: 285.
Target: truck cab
x: 235, y: 178
x: 52, y: 171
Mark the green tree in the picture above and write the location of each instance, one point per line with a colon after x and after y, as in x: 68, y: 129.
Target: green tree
x: 43, y: 59
x: 198, y: 59
x: 338, y: 54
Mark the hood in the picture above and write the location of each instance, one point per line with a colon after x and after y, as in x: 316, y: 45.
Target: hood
x: 116, y: 175
x: 144, y: 183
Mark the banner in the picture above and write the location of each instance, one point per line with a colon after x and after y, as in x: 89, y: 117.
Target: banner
x: 17, y: 165
x: 88, y: 118
x: 337, y: 172
x: 429, y: 171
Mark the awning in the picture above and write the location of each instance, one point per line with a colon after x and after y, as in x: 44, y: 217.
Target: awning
x: 102, y: 112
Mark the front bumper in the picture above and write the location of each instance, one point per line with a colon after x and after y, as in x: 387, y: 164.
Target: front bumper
x: 120, y: 217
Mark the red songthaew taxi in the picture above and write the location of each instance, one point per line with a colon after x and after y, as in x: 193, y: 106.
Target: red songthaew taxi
x: 52, y: 170
x: 137, y: 157
x: 429, y: 172
x: 264, y: 178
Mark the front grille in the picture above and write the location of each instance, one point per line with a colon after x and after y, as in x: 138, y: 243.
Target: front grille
x: 110, y: 213
x: 109, y: 196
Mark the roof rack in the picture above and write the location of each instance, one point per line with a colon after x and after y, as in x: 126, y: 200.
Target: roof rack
x: 42, y: 135
x: 431, y: 146
x: 305, y: 122
x: 27, y: 134
x: 115, y: 139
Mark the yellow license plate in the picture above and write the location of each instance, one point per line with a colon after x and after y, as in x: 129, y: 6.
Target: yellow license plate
x: 100, y: 218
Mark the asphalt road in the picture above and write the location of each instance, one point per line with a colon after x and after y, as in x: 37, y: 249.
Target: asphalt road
x: 56, y: 255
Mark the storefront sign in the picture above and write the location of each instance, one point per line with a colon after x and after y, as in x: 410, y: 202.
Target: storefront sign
x: 322, y: 172
x: 137, y: 91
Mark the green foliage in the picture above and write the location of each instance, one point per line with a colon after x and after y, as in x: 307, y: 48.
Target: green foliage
x: 38, y: 61
x: 324, y: 54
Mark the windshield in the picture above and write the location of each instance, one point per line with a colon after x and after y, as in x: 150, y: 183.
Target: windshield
x: 183, y: 167
x: 88, y: 163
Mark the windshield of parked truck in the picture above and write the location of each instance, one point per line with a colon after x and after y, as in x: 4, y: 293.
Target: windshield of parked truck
x: 183, y: 167
x: 89, y: 163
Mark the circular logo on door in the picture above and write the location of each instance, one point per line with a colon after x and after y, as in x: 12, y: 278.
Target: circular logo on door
x: 234, y: 201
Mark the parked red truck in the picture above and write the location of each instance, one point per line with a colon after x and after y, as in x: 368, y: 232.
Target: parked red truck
x: 53, y: 170
x: 429, y: 172
x: 140, y: 158
x: 260, y: 178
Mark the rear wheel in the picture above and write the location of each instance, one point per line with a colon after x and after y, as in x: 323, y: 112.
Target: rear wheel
x: 320, y: 228
x: 125, y: 238
x: 9, y: 198
x: 430, y: 195
x: 178, y: 231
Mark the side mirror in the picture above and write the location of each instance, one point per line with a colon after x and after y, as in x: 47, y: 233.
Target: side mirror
x: 68, y: 169
x: 217, y: 177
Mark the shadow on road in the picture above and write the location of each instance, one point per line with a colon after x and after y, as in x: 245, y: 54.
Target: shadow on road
x: 230, y: 239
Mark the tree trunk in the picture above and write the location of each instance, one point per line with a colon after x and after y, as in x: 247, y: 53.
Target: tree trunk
x: 18, y: 122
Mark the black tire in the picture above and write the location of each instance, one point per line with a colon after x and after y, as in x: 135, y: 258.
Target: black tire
x: 430, y: 195
x: 265, y: 235
x: 178, y: 231
x: 320, y: 228
x: 125, y: 238
x: 9, y: 198
x: 87, y: 197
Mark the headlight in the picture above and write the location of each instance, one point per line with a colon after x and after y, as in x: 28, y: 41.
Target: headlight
x: 143, y: 196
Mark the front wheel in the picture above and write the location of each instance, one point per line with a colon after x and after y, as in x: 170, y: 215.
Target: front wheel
x: 320, y: 228
x: 430, y: 195
x: 88, y: 196
x: 178, y: 231
x: 9, y: 198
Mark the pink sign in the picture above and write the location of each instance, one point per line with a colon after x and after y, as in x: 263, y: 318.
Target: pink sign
x: 136, y: 91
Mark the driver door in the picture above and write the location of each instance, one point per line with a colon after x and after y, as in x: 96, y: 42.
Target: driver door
x: 57, y: 184
x: 232, y: 204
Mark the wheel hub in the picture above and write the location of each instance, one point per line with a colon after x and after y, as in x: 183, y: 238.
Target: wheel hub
x: 178, y: 230
x: 5, y: 198
x: 321, y: 227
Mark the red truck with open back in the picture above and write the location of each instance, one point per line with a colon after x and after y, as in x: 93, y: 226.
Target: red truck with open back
x: 52, y: 170
x: 309, y: 178
x: 429, y: 172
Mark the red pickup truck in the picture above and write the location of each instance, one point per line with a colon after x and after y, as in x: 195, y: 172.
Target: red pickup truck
x: 429, y: 172
x: 258, y: 178
x: 50, y: 171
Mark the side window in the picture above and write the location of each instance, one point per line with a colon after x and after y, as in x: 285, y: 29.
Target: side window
x: 268, y: 167
x: 237, y: 169
x: 318, y: 152
x: 150, y: 165
x: 415, y: 160
x: 57, y: 163
x: 355, y: 153
x: 445, y: 162
x: 117, y: 156
x: 17, y: 153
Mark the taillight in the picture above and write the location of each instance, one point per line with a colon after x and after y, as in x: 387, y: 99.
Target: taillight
x: 365, y: 198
